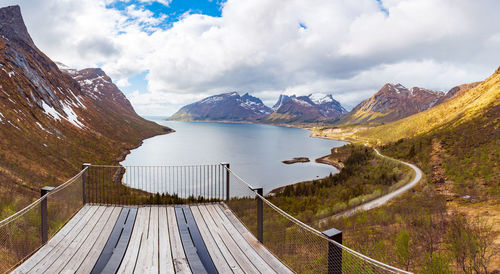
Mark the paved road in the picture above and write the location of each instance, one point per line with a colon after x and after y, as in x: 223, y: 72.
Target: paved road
x: 384, y: 199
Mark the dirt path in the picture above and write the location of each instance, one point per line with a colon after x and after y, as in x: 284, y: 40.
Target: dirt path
x: 383, y: 199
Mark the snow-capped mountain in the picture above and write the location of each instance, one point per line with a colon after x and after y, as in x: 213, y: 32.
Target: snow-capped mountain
x: 50, y: 122
x: 393, y: 102
x: 224, y: 107
x: 312, y: 108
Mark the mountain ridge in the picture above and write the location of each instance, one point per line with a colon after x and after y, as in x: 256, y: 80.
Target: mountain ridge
x: 233, y: 107
x: 50, y: 124
x: 392, y: 102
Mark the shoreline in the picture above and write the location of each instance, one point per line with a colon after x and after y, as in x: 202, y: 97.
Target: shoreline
x: 127, y: 151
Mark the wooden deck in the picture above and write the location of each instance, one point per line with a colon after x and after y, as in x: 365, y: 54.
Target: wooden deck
x: 203, y: 238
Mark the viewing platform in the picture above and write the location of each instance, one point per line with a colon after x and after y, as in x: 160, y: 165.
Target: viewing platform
x: 175, y: 219
x: 204, y: 238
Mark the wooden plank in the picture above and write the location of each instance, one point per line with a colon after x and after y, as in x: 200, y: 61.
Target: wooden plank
x: 218, y: 251
x: 258, y: 262
x: 264, y: 253
x: 147, y: 260
x: 165, y: 253
x: 96, y: 249
x: 214, y: 224
x: 70, y: 251
x: 130, y: 258
x: 112, y: 241
x: 53, y: 255
x: 40, y: 254
x: 180, y: 261
x: 190, y: 250
x: 121, y: 246
x: 201, y: 248
x: 85, y: 248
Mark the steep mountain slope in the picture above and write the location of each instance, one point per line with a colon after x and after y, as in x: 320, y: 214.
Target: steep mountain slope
x: 478, y: 102
x: 49, y: 124
x: 224, y: 107
x: 306, y: 109
x: 456, y: 91
x: 391, y: 103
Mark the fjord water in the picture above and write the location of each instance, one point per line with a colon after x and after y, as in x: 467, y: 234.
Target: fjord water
x: 254, y: 151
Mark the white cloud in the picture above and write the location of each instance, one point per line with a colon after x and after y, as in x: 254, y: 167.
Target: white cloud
x: 348, y: 48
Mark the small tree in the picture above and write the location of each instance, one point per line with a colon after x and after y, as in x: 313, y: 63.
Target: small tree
x: 471, y: 243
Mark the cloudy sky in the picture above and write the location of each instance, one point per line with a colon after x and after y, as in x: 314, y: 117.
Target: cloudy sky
x: 167, y: 53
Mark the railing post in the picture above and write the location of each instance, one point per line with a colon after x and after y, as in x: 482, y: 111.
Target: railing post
x: 84, y: 194
x: 260, y: 215
x: 43, y: 211
x: 334, y: 252
x: 227, y: 180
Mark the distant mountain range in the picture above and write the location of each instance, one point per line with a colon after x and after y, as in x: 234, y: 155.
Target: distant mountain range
x: 233, y: 107
x: 54, y: 119
x: 392, y: 102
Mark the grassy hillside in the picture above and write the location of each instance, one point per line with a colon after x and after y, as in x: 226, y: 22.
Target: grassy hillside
x: 471, y: 105
x: 451, y: 221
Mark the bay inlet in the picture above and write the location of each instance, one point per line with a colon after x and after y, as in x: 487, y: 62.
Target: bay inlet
x: 254, y: 151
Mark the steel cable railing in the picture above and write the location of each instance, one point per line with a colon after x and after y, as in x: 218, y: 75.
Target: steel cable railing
x: 20, y: 233
x: 301, y: 247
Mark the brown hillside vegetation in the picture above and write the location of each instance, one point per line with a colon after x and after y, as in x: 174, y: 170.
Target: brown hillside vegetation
x: 49, y: 124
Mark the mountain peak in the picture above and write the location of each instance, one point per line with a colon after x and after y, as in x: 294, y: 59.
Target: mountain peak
x: 320, y: 98
x: 224, y: 107
x: 12, y: 26
x: 392, y: 102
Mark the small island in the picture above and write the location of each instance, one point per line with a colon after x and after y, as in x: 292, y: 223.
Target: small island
x: 296, y: 160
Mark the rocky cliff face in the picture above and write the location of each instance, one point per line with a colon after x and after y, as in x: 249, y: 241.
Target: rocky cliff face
x: 224, y: 107
x: 51, y: 121
x: 392, y: 102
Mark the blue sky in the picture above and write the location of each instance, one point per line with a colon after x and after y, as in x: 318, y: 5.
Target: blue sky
x: 173, y: 11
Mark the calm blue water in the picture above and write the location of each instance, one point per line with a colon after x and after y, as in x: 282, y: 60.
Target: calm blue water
x: 254, y: 151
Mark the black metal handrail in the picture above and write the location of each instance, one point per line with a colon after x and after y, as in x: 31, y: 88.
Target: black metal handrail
x: 137, y: 185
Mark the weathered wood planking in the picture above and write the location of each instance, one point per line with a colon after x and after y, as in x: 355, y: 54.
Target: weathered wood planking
x: 155, y: 244
x: 180, y: 261
x: 54, y: 254
x: 119, y: 246
x: 276, y: 264
x: 257, y: 261
x: 166, y: 263
x: 223, y: 260
x: 44, y: 250
x: 77, y: 242
x: 130, y: 258
x: 147, y: 260
x: 217, y: 227
x: 98, y: 245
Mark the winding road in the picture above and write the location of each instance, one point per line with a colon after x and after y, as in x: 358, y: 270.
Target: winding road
x: 387, y: 197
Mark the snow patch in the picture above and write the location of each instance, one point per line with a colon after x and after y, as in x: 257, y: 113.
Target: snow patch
x: 51, y: 111
x: 72, y: 117
x: 320, y: 98
x: 304, y: 103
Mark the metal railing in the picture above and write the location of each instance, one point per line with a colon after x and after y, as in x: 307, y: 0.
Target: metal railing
x: 139, y: 185
x: 297, y: 245
x: 24, y: 232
